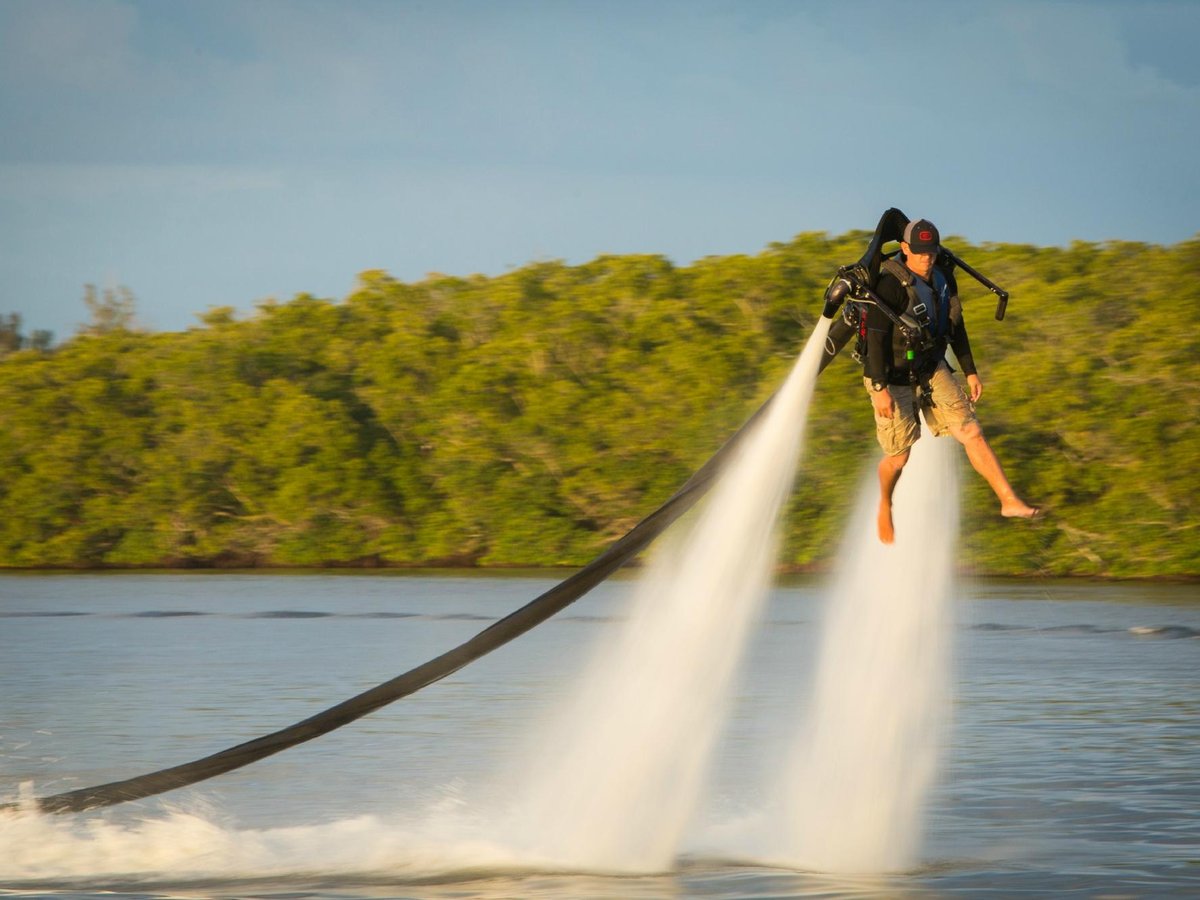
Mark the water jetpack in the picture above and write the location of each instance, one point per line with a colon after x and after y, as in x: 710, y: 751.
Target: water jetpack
x: 852, y: 289
x: 852, y: 286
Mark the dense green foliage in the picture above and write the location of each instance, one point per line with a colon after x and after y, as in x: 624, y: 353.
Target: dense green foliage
x: 533, y: 417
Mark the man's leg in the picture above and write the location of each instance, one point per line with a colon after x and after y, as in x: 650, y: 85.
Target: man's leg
x: 896, y: 435
x: 953, y: 412
x: 890, y: 469
x: 983, y: 460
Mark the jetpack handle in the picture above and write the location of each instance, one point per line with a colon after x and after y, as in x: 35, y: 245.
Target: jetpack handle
x: 1001, y: 305
x: 1001, y: 294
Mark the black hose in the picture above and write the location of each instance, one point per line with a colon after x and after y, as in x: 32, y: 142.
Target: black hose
x: 496, y: 635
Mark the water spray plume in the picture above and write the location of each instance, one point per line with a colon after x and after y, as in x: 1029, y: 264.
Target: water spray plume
x: 624, y: 763
x: 853, y: 796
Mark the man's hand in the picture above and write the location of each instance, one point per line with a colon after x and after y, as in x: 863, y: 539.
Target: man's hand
x: 882, y: 401
x: 976, y: 387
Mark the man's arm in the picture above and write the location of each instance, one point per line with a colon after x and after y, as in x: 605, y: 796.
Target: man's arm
x: 879, y: 328
x: 961, y: 345
x: 959, y: 341
x: 879, y: 342
x: 962, y: 350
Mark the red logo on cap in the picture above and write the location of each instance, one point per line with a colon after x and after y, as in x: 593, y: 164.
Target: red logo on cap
x: 925, y: 235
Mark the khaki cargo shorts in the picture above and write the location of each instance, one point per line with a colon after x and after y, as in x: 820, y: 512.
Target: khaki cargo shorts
x: 950, y: 408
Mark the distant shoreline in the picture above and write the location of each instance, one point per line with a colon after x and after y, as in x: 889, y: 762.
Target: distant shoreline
x: 522, y: 571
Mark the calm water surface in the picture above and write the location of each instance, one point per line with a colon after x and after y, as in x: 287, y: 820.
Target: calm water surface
x: 1071, y: 769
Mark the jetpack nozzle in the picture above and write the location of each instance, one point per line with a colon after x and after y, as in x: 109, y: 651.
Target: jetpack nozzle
x: 835, y: 295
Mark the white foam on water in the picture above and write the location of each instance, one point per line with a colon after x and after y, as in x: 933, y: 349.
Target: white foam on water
x: 621, y: 766
x: 853, y: 792
x: 178, y: 846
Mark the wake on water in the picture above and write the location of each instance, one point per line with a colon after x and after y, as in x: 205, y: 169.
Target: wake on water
x: 624, y: 760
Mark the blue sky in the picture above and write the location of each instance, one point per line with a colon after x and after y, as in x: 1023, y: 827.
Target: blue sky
x: 221, y: 153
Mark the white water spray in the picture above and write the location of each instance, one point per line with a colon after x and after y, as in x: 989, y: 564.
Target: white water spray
x: 866, y: 758
x: 621, y: 768
x: 182, y: 846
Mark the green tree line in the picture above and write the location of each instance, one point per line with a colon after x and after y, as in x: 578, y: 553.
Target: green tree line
x: 532, y: 417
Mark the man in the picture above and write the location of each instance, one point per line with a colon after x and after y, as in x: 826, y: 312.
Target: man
x: 904, y: 376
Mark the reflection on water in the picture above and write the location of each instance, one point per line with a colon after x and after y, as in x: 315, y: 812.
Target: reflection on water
x: 1071, y: 766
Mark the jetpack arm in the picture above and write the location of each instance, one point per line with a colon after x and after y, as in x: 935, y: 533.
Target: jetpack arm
x: 863, y: 274
x: 909, y: 327
x: 1001, y: 294
x: 849, y: 285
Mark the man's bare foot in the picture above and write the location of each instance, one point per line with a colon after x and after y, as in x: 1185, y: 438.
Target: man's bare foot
x: 1016, y: 508
x: 887, y: 533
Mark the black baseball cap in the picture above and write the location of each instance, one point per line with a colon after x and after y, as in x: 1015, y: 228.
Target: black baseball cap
x: 922, y: 236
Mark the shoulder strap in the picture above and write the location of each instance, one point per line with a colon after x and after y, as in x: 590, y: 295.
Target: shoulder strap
x: 917, y: 308
x: 897, y: 270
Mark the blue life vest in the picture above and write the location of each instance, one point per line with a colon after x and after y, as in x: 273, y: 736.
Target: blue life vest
x: 939, y: 319
x: 928, y: 301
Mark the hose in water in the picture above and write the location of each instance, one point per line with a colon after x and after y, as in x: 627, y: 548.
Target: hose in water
x: 496, y: 635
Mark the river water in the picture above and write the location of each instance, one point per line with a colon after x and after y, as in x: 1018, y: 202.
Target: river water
x: 1069, y: 767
